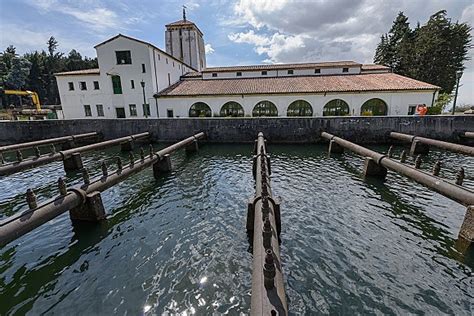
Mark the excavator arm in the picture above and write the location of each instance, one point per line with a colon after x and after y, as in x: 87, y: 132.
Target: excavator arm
x: 33, y: 95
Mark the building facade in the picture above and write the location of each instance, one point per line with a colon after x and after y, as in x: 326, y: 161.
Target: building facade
x: 135, y: 79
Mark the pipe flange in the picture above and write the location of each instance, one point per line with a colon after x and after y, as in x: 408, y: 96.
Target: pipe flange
x: 381, y: 158
x: 260, y: 154
x: 82, y: 194
x: 256, y: 199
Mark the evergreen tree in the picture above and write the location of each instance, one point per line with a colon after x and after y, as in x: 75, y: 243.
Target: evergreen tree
x: 433, y: 52
x: 389, y: 51
x: 18, y: 73
x: 35, y: 71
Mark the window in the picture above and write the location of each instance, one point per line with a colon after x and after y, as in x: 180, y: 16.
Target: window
x: 264, y: 73
x: 317, y: 71
x: 71, y: 86
x: 96, y: 85
x: 169, y: 113
x: 345, y: 69
x: 169, y: 79
x: 166, y: 60
x: 265, y: 108
x: 87, y: 110
x: 200, y: 109
x: 132, y: 84
x: 116, y: 85
x: 146, y: 110
x: 123, y: 57
x: 214, y: 74
x: 412, y: 109
x: 133, y: 109
x: 143, y: 68
x: 336, y: 107
x: 100, y: 110
x: 239, y: 74
x: 374, y: 107
x: 82, y: 85
x: 290, y: 72
x: 120, y: 112
x: 173, y: 63
x: 299, y: 108
x: 232, y: 109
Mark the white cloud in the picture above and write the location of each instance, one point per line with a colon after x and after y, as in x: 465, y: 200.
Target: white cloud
x: 324, y: 30
x: 468, y: 14
x: 273, y: 46
x: 208, y: 49
x: 92, y: 15
x: 250, y: 38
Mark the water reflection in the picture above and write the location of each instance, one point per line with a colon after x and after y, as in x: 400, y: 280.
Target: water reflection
x: 178, y: 244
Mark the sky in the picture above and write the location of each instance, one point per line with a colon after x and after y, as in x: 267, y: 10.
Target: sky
x: 236, y: 32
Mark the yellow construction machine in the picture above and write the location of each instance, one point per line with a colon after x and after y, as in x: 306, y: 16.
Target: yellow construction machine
x: 36, y: 113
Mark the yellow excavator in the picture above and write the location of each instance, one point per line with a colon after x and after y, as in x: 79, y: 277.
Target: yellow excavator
x: 36, y: 113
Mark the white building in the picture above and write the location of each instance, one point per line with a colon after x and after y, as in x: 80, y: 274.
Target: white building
x: 135, y: 79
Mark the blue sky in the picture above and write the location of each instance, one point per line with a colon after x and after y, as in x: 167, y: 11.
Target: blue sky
x: 235, y: 31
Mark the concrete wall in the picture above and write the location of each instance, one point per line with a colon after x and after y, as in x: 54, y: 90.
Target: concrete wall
x: 362, y: 130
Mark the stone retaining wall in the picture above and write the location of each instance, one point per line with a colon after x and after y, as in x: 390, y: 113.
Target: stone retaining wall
x: 362, y: 130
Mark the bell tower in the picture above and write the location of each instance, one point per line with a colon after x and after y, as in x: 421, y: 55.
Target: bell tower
x: 184, y: 41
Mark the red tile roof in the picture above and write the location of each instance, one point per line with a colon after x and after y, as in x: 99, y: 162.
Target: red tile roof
x: 296, y: 84
x: 284, y: 66
x: 93, y: 71
x: 370, y: 67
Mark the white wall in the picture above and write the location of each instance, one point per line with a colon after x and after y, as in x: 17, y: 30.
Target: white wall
x: 157, y: 67
x: 282, y: 73
x: 397, y: 102
x: 73, y: 102
x: 187, y: 46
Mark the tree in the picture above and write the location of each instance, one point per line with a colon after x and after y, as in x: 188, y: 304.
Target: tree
x: 19, y: 71
x: 433, y: 52
x: 35, y: 71
x: 52, y: 45
x: 441, y: 103
x: 390, y: 51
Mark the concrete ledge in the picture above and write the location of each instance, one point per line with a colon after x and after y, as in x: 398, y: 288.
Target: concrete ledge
x: 361, y: 130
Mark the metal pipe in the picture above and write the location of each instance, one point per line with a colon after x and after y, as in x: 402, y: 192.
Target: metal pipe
x: 469, y: 134
x: 57, y: 140
x: 462, y: 149
x: 44, y: 159
x: 24, y: 222
x: 268, y: 290
x: 450, y: 190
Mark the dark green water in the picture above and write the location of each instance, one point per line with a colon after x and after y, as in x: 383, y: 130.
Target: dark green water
x: 179, y: 245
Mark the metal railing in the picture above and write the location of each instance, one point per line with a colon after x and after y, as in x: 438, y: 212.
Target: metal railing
x: 22, y: 223
x: 268, y: 289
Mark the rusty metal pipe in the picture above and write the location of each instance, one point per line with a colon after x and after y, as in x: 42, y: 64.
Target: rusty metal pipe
x: 44, y: 159
x: 265, y: 300
x: 24, y: 222
x: 469, y: 134
x: 462, y: 149
x: 450, y: 190
x: 57, y: 140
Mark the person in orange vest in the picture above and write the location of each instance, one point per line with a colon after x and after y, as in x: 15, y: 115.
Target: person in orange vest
x: 421, y: 109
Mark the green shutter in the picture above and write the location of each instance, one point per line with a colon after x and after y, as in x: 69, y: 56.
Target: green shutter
x: 116, y: 84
